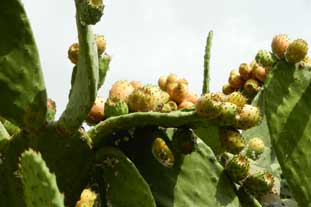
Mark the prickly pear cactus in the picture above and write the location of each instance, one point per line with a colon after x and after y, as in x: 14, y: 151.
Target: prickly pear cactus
x: 151, y: 145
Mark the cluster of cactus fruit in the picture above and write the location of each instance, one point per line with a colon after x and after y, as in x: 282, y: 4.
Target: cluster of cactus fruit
x: 152, y: 145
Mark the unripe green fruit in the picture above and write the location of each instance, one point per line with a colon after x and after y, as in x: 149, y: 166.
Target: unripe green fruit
x: 162, y: 152
x: 247, y: 117
x: 73, y: 53
x: 169, y: 106
x: 184, y: 141
x: 236, y: 98
x: 91, y: 11
x: 51, y: 110
x: 121, y: 90
x: 260, y: 73
x: 147, y: 98
x: 231, y: 140
x: 96, y: 113
x: 255, y: 147
x: 296, y: 51
x: 265, y: 58
x: 238, y: 168
x: 227, y: 89
x: 259, y: 183
x: 245, y: 71
x: 251, y: 86
x: 279, y: 45
x: 100, y: 43
x: 235, y: 80
x: 209, y: 105
x: 228, y: 113
x: 307, y: 60
x: 115, y: 107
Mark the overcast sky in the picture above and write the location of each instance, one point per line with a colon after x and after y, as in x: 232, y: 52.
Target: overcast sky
x: 148, y: 38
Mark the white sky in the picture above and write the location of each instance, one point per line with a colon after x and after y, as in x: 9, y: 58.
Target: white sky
x: 147, y: 39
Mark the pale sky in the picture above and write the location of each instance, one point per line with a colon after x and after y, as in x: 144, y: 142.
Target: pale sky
x: 147, y: 38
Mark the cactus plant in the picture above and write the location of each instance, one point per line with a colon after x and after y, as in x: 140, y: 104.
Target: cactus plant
x: 169, y: 149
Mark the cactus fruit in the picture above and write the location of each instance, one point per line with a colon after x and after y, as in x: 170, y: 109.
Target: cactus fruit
x: 251, y: 86
x: 180, y: 92
x: 96, y: 113
x: 255, y: 147
x: 260, y: 73
x: 227, y: 89
x: 115, y: 107
x: 171, y: 78
x: 147, y: 98
x: 184, y: 141
x: 296, y: 51
x: 100, y: 43
x: 265, y: 58
x: 73, y: 53
x: 191, y: 97
x: 245, y: 71
x: 231, y: 140
x: 228, y: 113
x: 51, y: 110
x: 259, y: 183
x: 209, y: 105
x: 236, y: 98
x: 247, y: 117
x: 136, y: 84
x: 162, y: 82
x: 121, y: 89
x: 91, y: 11
x: 237, y: 168
x: 279, y: 45
x: 162, y: 152
x: 87, y: 198
x: 235, y: 79
x: 185, y: 104
x: 169, y: 106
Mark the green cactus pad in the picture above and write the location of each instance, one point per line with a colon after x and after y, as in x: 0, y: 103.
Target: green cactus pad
x: 40, y: 187
x: 194, y: 180
x: 288, y: 118
x: 207, y: 57
x: 124, y: 186
x: 85, y: 82
x: 21, y: 79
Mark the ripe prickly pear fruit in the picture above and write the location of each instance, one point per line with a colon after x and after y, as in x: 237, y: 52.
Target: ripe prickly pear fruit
x: 162, y: 152
x: 147, y: 98
x: 251, y: 86
x: 115, y: 107
x: 279, y: 45
x: 260, y: 73
x: 259, y: 183
x: 180, y: 92
x: 235, y: 79
x: 209, y: 105
x: 183, y: 80
x: 255, y: 148
x: 162, y: 82
x: 169, y: 106
x: 121, y: 89
x: 236, y: 98
x: 91, y: 11
x: 247, y: 117
x: 87, y: 198
x: 170, y: 88
x: 238, y: 168
x: 171, y: 78
x: 191, y: 97
x: 227, y: 89
x: 265, y: 58
x: 228, y: 113
x: 96, y: 113
x: 100, y: 43
x: 73, y: 53
x: 136, y: 84
x: 184, y: 141
x: 185, y: 104
x: 231, y: 140
x: 296, y: 51
x: 51, y: 110
x: 245, y: 71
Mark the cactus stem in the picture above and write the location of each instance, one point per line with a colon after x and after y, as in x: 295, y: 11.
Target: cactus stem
x: 207, y: 56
